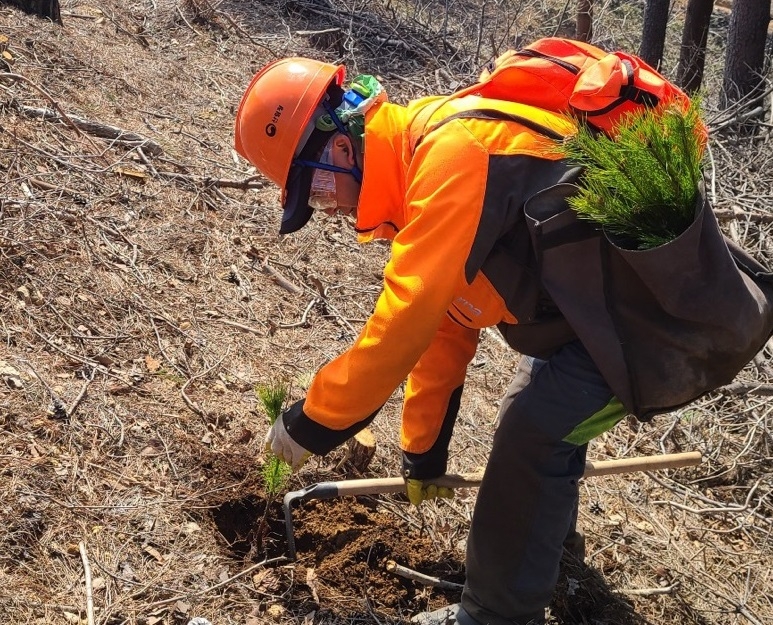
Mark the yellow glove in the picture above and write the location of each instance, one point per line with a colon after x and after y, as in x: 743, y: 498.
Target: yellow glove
x: 418, y: 491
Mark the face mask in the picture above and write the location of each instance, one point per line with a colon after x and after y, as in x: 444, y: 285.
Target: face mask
x: 322, y: 195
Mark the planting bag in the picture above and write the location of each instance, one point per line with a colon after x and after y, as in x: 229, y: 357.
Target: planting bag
x: 664, y: 325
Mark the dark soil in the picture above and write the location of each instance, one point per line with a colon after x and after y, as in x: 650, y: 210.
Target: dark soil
x: 343, y: 547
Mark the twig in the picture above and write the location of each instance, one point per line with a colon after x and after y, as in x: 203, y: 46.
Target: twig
x: 180, y: 13
x: 192, y: 404
x: 253, y: 182
x: 746, y: 388
x: 81, y: 395
x: 415, y: 576
x: 715, y: 510
x: 60, y: 410
x: 726, y: 214
x: 42, y: 184
x: 198, y: 593
x: 279, y: 279
x: 303, y: 321
x: 89, y: 589
x: 647, y: 592
x: 234, y: 324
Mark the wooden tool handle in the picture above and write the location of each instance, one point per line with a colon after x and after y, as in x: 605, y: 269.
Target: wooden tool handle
x: 372, y: 486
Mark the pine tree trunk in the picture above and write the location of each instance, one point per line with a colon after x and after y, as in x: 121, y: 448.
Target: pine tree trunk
x: 745, y: 57
x: 584, y: 30
x: 692, y: 54
x: 43, y: 8
x: 653, y: 36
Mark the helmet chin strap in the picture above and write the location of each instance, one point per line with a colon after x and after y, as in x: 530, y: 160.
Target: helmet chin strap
x: 354, y: 171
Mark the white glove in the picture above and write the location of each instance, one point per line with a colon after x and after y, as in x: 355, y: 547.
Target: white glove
x: 281, y: 444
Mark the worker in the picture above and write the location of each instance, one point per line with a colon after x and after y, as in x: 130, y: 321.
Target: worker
x: 445, y: 180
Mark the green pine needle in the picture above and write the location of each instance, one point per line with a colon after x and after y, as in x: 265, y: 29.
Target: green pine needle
x: 641, y: 186
x: 275, y: 475
x: 275, y: 472
x: 273, y: 397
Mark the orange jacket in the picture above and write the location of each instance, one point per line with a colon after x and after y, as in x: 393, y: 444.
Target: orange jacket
x: 451, y: 207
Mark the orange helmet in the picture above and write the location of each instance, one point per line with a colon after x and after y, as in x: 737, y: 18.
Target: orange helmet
x: 272, y: 122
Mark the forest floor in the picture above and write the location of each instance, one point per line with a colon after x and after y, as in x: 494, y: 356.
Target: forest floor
x: 145, y: 295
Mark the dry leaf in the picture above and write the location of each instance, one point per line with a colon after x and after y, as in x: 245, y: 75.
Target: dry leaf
x: 152, y: 364
x: 152, y: 551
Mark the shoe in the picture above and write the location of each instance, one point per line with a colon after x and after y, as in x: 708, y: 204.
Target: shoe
x: 575, y: 545
x: 453, y: 614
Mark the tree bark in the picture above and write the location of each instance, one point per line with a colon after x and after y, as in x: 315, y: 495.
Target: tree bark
x: 360, y: 450
x: 584, y: 30
x: 653, y: 36
x: 43, y: 8
x: 692, y: 54
x: 745, y: 57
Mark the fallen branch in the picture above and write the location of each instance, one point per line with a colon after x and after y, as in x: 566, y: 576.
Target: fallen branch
x: 747, y: 388
x: 279, y: 279
x: 74, y: 405
x: 427, y: 580
x: 97, y: 129
x: 647, y: 592
x: 47, y: 186
x: 253, y: 182
x: 89, y: 588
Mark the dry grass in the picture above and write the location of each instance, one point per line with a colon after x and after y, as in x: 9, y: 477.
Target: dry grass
x: 145, y: 294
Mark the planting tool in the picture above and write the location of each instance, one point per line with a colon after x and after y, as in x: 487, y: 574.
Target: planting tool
x: 374, y: 486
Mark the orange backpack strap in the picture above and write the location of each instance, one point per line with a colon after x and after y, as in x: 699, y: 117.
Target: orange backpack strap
x: 418, y: 125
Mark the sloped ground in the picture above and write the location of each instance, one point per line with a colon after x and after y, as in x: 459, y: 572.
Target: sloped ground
x: 144, y: 294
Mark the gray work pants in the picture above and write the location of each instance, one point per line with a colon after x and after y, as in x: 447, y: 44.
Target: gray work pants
x: 527, y: 503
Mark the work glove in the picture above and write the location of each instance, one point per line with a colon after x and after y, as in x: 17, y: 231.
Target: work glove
x: 421, y: 490
x: 281, y: 444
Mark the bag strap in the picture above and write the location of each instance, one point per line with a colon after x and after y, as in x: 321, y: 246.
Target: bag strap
x: 422, y: 119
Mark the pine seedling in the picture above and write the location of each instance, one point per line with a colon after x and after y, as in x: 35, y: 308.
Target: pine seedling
x: 272, y: 397
x: 642, y: 185
x: 275, y: 471
x: 275, y: 474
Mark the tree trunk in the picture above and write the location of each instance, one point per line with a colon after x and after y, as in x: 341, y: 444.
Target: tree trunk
x: 360, y: 450
x: 584, y: 31
x: 692, y: 54
x: 745, y: 57
x: 653, y: 36
x: 43, y: 8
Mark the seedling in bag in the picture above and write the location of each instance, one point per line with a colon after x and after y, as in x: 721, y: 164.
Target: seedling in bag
x: 642, y: 186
